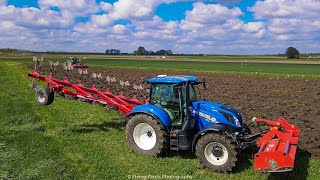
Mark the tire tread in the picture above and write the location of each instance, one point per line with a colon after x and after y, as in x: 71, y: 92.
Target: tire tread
x: 231, y: 147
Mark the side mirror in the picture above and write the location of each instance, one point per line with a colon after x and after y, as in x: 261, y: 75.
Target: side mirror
x: 176, y: 91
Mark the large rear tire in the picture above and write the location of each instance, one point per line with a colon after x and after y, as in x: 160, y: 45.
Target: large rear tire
x: 44, y: 97
x: 146, y: 136
x: 216, y: 152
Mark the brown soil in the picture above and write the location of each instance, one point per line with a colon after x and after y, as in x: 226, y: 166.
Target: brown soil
x: 296, y: 99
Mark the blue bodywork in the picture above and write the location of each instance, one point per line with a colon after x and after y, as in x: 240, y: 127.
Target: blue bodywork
x: 153, y: 110
x: 211, y: 113
x: 172, y: 79
x: 206, y: 114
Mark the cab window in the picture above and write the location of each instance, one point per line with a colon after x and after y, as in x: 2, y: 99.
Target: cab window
x: 162, y: 95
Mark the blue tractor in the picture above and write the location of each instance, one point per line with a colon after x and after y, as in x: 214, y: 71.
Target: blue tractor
x: 174, y: 119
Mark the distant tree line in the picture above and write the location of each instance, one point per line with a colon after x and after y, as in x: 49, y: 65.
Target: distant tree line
x: 311, y: 54
x: 72, y: 53
x: 113, y: 51
x: 12, y: 50
x: 142, y: 51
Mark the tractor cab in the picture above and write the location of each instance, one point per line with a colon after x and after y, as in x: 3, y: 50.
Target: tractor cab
x: 76, y: 63
x: 172, y: 94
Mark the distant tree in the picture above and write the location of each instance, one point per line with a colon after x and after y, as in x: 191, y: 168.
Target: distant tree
x: 292, y: 52
x: 162, y: 52
x: 141, y: 50
x: 113, y: 51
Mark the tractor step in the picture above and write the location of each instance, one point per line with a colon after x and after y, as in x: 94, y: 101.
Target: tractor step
x: 174, y: 140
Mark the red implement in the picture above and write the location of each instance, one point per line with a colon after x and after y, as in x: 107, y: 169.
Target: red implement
x: 122, y: 103
x: 80, y: 66
x: 277, y: 147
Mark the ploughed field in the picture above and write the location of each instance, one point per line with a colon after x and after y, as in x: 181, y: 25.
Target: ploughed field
x: 296, y: 99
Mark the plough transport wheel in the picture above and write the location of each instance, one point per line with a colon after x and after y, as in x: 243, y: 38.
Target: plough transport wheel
x: 44, y: 97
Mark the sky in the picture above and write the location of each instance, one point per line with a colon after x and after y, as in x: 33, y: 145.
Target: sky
x: 183, y: 26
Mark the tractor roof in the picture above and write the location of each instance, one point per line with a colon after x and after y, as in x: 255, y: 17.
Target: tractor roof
x: 172, y: 79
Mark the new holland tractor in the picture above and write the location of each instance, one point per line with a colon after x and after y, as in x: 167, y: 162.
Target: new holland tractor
x: 174, y: 119
x: 76, y: 63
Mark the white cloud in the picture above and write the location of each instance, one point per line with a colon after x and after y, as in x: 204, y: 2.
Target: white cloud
x: 214, y: 24
x: 34, y: 17
x: 101, y: 20
x: 106, y: 6
x: 123, y: 9
x: 133, y: 8
x: 207, y: 28
x: 119, y: 29
x: 203, y: 15
x: 71, y: 7
x: 289, y: 20
x: 286, y: 8
x: 3, y: 2
x: 156, y: 30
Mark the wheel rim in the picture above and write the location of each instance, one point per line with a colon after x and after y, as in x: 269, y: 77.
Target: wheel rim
x: 41, y: 97
x: 144, y: 136
x: 216, y: 153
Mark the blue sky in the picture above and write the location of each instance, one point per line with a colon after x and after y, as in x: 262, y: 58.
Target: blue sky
x: 168, y: 12
x: 173, y: 11
x: 185, y: 26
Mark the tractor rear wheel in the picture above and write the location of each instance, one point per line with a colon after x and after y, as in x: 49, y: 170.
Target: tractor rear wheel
x: 146, y: 136
x: 44, y: 97
x: 216, y: 152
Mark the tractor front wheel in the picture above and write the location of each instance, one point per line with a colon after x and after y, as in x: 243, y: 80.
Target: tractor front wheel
x: 44, y: 96
x: 216, y: 152
x: 146, y: 136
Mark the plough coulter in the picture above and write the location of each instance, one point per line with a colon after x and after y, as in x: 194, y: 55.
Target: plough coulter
x: 174, y: 119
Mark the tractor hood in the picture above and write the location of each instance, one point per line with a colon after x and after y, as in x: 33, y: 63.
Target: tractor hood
x: 216, y: 113
x: 206, y: 104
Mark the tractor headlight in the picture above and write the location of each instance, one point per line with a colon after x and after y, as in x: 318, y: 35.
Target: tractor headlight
x: 237, y: 122
x: 228, y: 117
x: 231, y: 119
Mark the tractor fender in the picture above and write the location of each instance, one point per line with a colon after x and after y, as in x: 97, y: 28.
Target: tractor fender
x: 217, y: 128
x: 154, y: 111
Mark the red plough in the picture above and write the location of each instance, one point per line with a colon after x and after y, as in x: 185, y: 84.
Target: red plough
x: 277, y: 147
x: 122, y: 103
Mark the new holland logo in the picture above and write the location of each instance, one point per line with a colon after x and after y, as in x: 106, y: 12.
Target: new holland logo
x: 206, y: 116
